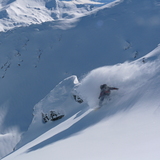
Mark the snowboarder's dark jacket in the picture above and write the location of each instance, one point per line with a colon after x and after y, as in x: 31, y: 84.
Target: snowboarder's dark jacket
x: 106, y: 90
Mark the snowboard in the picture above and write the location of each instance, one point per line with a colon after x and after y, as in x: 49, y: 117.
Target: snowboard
x: 97, y: 108
x: 102, y: 103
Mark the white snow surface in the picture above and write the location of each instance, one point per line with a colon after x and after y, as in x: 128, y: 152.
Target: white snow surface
x: 44, y: 64
x: 128, y: 125
x: 17, y: 13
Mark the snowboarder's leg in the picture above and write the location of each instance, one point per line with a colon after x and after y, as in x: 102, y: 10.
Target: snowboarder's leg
x: 101, y: 101
x: 108, y: 98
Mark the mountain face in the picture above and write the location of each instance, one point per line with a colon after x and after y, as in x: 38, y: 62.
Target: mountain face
x: 17, y: 13
x: 45, y: 42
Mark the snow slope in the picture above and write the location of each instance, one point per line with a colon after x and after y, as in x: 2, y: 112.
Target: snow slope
x: 127, y: 127
x: 35, y: 59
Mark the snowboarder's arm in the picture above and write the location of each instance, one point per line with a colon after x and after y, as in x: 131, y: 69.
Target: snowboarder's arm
x: 113, y: 88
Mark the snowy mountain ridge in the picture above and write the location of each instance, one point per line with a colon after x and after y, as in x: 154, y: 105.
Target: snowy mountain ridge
x: 116, y: 45
x: 17, y: 13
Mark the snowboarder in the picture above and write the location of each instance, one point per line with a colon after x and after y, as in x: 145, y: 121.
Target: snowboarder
x: 105, y: 92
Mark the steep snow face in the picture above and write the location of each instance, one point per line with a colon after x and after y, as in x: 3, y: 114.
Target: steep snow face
x: 18, y: 13
x: 128, y: 77
x: 61, y: 100
x: 126, y: 125
x: 36, y: 58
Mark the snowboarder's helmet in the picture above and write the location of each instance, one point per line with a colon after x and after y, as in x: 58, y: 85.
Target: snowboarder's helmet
x: 103, y: 86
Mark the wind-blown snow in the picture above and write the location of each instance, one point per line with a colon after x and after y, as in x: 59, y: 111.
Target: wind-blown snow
x: 127, y: 76
x: 8, y: 136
